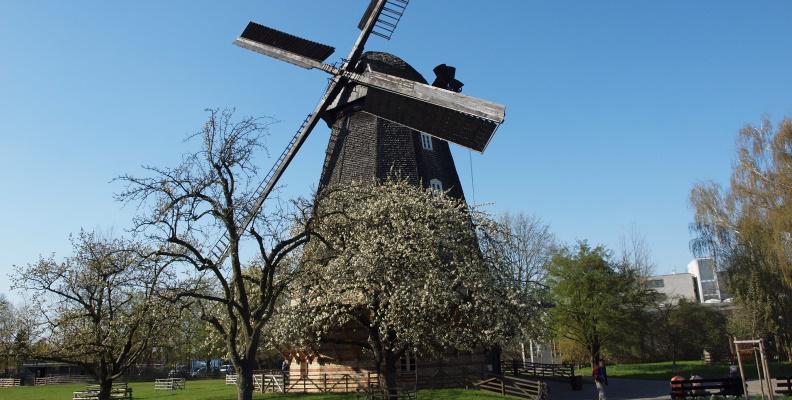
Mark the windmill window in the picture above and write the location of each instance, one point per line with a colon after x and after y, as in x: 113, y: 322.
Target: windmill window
x: 407, y: 362
x: 426, y: 141
x: 436, y: 184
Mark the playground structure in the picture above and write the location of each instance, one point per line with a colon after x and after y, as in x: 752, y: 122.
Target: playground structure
x: 756, y: 348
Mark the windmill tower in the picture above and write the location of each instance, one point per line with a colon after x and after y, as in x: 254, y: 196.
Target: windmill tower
x: 384, y: 118
x: 365, y: 147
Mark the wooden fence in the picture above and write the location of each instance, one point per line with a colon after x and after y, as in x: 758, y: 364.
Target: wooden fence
x: 59, y: 379
x: 513, y: 386
x: 519, y: 368
x: 331, y: 382
x: 10, y: 382
x: 169, y: 384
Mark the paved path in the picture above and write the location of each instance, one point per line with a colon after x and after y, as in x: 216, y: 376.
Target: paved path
x: 618, y: 389
x: 624, y: 389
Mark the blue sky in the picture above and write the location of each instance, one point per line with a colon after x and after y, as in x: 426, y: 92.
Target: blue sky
x: 614, y: 108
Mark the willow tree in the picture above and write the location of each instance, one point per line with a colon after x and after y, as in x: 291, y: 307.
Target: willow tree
x: 187, y: 208
x: 99, y: 307
x: 403, y: 267
x: 747, y: 228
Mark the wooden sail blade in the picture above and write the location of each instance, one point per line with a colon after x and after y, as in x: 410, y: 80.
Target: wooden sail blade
x: 442, y: 122
x: 387, y: 15
x: 465, y: 120
x: 283, y: 46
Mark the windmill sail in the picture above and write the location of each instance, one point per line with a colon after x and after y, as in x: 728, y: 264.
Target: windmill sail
x: 283, y: 46
x: 388, y: 18
x: 465, y: 120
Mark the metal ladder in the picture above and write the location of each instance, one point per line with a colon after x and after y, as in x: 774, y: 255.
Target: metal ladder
x: 220, y: 249
x: 389, y: 18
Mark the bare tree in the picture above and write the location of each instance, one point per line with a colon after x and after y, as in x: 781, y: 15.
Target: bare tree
x: 187, y: 208
x: 530, y: 245
x: 99, y: 307
x: 636, y: 253
x: 526, y: 244
x: 8, y: 330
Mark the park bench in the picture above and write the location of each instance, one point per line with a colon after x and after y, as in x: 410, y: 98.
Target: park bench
x: 784, y: 385
x: 119, y: 391
x: 705, y: 388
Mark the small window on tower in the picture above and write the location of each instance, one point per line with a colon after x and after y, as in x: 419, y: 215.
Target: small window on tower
x: 436, y: 184
x: 426, y: 141
x: 407, y: 362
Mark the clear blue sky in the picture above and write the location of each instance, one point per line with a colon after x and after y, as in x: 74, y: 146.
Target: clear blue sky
x: 614, y: 108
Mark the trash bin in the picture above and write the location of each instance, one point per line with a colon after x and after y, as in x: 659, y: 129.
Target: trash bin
x: 577, y: 382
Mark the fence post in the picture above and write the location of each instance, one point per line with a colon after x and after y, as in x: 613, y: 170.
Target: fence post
x: 503, y: 385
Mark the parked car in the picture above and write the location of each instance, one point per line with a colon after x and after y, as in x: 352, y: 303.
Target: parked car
x: 198, y: 372
x: 227, y: 369
x: 180, y: 371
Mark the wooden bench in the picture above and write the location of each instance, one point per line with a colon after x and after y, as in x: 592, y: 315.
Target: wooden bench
x: 705, y: 388
x: 784, y: 385
x: 119, y: 391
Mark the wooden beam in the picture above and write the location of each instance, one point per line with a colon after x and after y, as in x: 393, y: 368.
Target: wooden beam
x: 280, y: 54
x: 440, y: 97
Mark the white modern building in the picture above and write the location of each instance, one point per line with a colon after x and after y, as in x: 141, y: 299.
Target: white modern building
x: 675, y: 287
x: 702, y: 283
x: 711, y: 285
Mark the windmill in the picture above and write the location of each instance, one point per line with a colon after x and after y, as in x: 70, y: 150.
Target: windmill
x: 438, y: 110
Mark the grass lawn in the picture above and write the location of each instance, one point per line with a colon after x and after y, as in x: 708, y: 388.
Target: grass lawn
x: 664, y: 370
x: 214, y: 390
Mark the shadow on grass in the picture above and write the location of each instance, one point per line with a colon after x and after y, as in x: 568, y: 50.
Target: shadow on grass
x: 665, y: 370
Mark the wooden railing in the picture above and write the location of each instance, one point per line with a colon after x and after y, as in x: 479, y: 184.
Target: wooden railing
x: 519, y: 368
x: 230, y: 379
x: 515, y: 387
x: 169, y: 384
x: 330, y: 382
x: 10, y: 382
x: 271, y: 382
x: 59, y: 379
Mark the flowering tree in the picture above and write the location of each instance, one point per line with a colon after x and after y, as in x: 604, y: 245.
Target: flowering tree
x: 99, y: 307
x: 187, y: 208
x: 404, y: 266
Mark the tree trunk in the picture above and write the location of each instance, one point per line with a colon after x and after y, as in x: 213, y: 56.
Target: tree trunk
x: 105, y: 387
x: 594, y: 352
x: 245, y: 380
x: 390, y: 376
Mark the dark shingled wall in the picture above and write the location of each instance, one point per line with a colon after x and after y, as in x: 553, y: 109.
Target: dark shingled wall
x: 363, y: 147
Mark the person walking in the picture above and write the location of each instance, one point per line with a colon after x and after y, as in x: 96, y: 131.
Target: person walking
x: 600, y: 376
x: 285, y: 372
